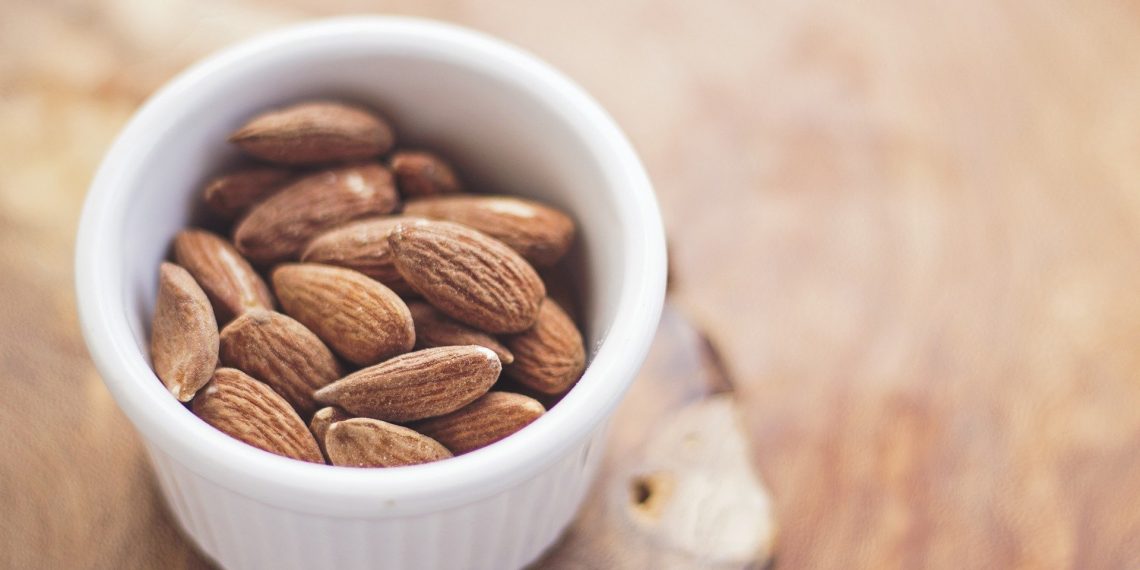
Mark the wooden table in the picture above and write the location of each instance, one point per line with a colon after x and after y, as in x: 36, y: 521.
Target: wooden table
x: 911, y: 227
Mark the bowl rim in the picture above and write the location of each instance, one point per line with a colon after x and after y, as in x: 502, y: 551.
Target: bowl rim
x: 167, y: 428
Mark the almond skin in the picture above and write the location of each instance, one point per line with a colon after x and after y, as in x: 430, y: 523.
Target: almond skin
x: 231, y: 195
x: 550, y: 357
x: 317, y: 132
x: 321, y: 421
x: 364, y: 442
x: 420, y: 173
x: 247, y: 410
x: 282, y: 353
x: 359, y: 318
x: 417, y: 385
x: 361, y: 246
x: 184, y: 333
x: 278, y: 228
x: 434, y: 329
x: 539, y: 233
x: 229, y: 281
x: 472, y: 278
x: 491, y: 418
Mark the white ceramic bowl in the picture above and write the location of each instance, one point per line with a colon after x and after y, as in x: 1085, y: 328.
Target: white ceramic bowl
x: 512, y: 124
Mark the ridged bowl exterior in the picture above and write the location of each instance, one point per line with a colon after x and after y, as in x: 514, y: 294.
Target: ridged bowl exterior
x: 507, y: 530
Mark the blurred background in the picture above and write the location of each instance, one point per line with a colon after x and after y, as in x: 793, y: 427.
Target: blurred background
x: 912, y: 228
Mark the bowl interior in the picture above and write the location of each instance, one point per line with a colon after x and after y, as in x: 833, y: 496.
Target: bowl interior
x: 501, y: 139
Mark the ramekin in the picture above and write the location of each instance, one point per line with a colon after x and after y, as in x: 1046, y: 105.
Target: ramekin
x: 513, y: 125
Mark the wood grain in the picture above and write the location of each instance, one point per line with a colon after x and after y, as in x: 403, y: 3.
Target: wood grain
x: 676, y: 489
x: 912, y: 227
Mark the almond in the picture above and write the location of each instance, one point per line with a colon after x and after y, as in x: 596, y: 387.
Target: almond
x: 321, y: 421
x: 230, y: 195
x: 282, y: 353
x: 227, y: 278
x: 548, y: 401
x: 539, y: 233
x: 417, y: 385
x: 421, y: 173
x: 472, y: 278
x: 245, y: 409
x: 184, y: 333
x: 434, y: 329
x: 550, y: 357
x: 482, y: 422
x: 361, y: 246
x: 364, y: 442
x: 279, y: 227
x: 315, y: 133
x: 359, y: 318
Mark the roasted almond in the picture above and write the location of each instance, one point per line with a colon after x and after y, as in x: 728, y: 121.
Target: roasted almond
x: 358, y: 317
x: 230, y: 195
x: 361, y: 246
x: 539, y: 233
x: 482, y: 422
x: 277, y: 228
x: 421, y: 173
x: 243, y: 408
x: 472, y: 278
x: 281, y: 352
x: 315, y: 133
x: 321, y: 421
x: 550, y: 357
x: 417, y: 385
x: 227, y: 278
x: 364, y: 442
x: 507, y: 384
x: 434, y: 329
x: 184, y: 333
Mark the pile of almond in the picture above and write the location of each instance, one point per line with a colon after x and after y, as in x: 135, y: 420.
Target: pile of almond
x: 363, y: 293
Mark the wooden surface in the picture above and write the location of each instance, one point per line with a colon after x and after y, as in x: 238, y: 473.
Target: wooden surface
x: 911, y: 227
x: 676, y: 489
